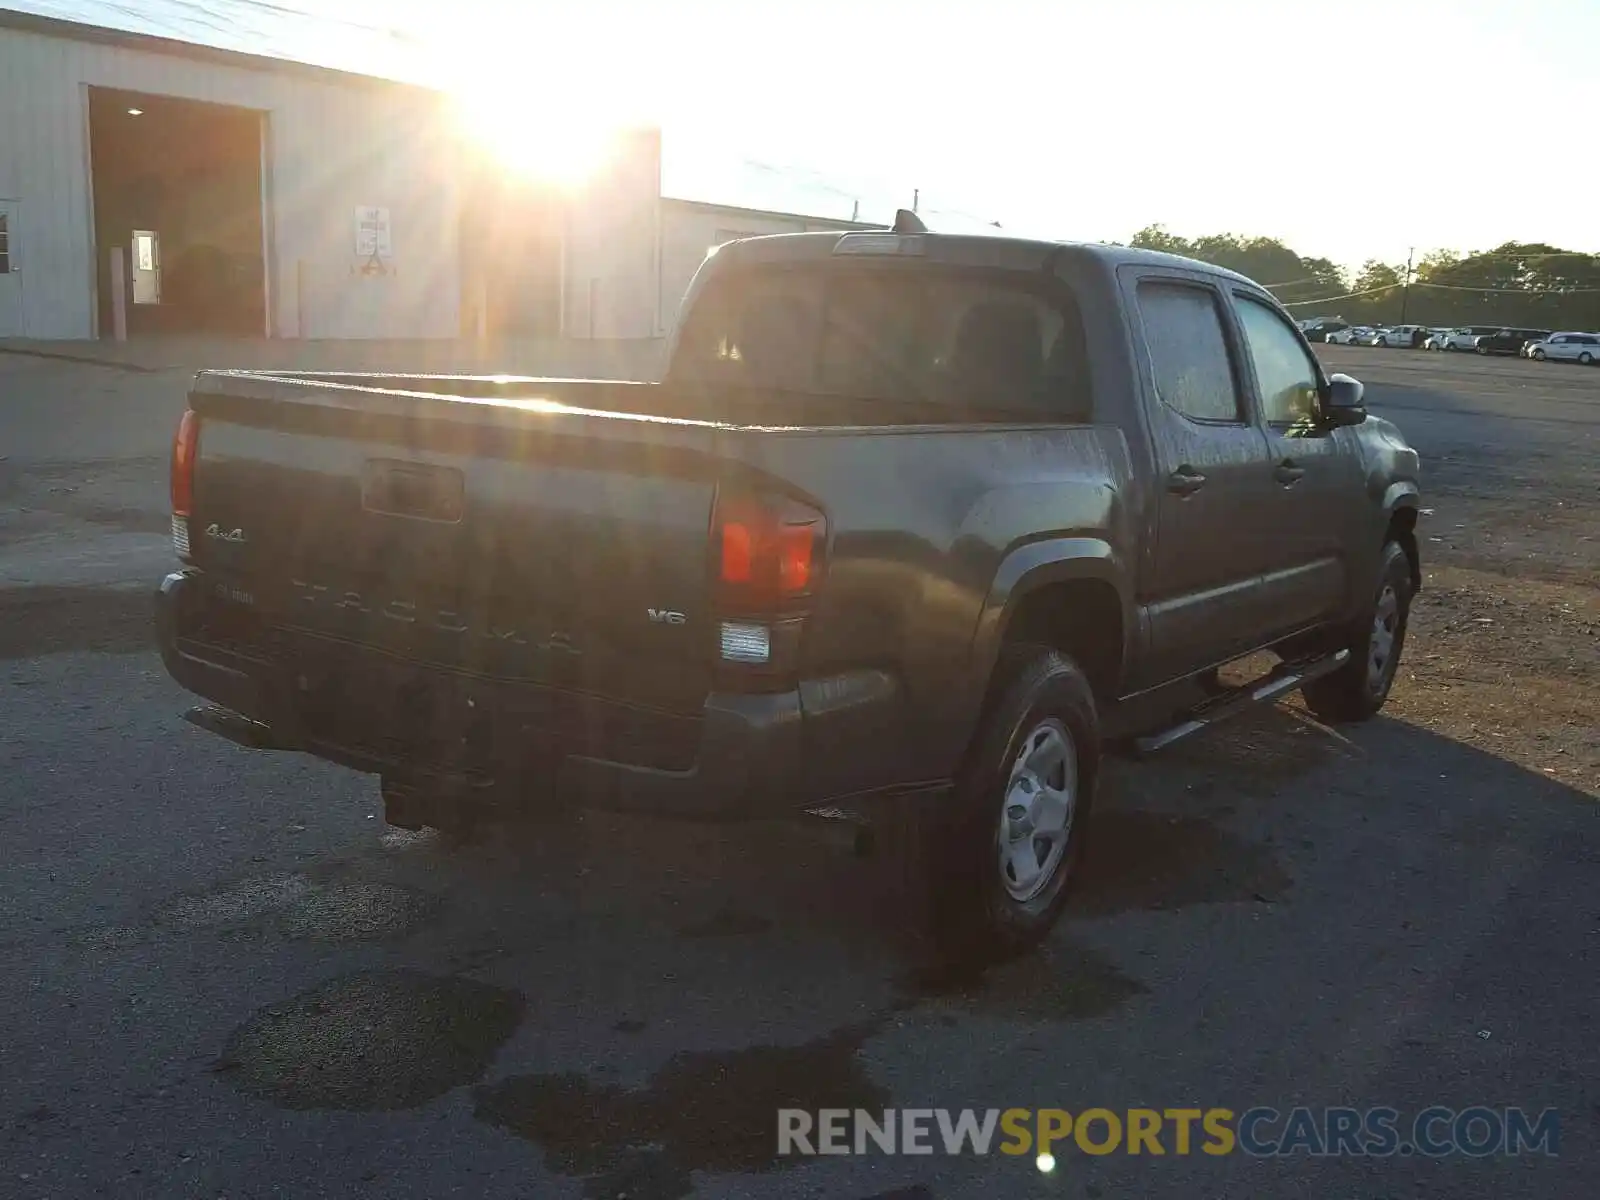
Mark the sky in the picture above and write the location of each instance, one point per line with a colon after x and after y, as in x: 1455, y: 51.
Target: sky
x: 1351, y: 130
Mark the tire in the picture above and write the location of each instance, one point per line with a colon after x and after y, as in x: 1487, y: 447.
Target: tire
x: 1586, y: 359
x: 1038, y: 744
x: 1537, y: 356
x: 1383, y: 343
x: 1482, y: 351
x: 1358, y: 690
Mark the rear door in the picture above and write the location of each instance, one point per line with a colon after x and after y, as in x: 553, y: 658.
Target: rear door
x: 1210, y: 459
x: 1313, y: 479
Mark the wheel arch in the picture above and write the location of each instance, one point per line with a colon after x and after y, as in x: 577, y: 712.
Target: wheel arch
x: 1401, y: 512
x: 1063, y: 593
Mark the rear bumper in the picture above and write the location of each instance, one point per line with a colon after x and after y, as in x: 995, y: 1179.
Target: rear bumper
x: 748, y: 763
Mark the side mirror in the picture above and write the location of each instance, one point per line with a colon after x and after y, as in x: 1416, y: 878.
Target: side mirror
x: 1346, y: 401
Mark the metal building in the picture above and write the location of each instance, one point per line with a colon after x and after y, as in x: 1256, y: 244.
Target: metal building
x: 243, y: 194
x: 244, y: 168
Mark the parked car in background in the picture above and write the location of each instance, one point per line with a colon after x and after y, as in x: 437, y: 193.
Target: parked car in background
x: 1351, y: 336
x: 1404, y: 337
x: 1437, y: 339
x: 1466, y: 337
x: 1583, y: 348
x: 1508, y: 341
x: 1317, y: 329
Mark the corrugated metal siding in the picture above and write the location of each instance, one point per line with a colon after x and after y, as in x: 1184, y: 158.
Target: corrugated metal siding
x: 609, y: 272
x: 331, y: 149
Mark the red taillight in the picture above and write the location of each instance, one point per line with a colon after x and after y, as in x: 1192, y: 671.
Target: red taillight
x: 771, y: 550
x: 185, y: 448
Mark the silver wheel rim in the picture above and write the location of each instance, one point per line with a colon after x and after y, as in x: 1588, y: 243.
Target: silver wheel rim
x: 1385, y: 632
x: 1037, y: 810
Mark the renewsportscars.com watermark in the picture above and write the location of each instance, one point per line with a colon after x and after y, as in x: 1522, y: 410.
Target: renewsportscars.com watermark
x: 1436, y: 1132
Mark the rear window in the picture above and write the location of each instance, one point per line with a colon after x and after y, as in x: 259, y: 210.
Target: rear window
x: 974, y: 343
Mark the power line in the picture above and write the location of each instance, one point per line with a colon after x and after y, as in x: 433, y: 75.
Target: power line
x: 1388, y: 287
x: 1512, y: 291
x: 1295, y: 282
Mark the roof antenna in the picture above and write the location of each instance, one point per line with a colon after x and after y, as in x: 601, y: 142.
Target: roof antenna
x: 906, y: 221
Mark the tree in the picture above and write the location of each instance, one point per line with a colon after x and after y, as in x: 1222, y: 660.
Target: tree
x: 1527, y: 284
x: 1436, y: 261
x: 1375, y: 275
x: 1155, y: 237
x: 1266, y: 260
x: 1329, y: 277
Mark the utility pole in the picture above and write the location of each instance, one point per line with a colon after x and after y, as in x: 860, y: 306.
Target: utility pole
x: 1405, y: 288
x: 916, y: 197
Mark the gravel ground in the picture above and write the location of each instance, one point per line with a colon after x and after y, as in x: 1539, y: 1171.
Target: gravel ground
x: 1505, y: 641
x: 226, y: 978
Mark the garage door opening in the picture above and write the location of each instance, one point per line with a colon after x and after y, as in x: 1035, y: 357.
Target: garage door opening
x: 178, y: 189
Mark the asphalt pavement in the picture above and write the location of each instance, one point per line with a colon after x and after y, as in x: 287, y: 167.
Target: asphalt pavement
x: 225, y: 977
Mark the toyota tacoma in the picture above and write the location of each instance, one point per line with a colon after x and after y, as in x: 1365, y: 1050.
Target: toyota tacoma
x: 911, y: 522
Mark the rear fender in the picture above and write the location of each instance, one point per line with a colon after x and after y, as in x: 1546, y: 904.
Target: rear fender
x: 1030, y: 567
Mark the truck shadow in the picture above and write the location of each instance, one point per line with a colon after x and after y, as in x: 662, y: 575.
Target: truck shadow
x: 1219, y: 820
x: 656, y: 991
x: 639, y: 999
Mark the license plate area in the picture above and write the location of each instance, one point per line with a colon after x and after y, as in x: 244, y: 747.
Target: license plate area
x: 419, y: 491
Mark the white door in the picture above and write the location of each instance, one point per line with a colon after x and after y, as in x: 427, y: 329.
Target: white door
x: 146, y: 267
x: 10, y: 272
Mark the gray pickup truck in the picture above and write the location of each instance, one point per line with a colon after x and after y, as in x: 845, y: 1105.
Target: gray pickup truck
x: 911, y: 523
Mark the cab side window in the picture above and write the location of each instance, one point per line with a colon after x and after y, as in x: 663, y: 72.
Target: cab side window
x: 1188, y: 351
x: 1287, y: 379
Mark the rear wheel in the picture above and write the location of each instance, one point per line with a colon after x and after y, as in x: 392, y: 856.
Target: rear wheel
x: 1586, y: 359
x: 1001, y: 854
x: 1358, y: 690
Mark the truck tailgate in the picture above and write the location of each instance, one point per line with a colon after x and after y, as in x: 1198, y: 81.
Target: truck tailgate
x: 529, y: 542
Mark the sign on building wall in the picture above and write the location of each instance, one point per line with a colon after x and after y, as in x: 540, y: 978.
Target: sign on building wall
x: 372, y: 233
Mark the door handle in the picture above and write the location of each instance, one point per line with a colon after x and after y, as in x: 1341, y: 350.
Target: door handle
x: 1185, y: 481
x: 1287, y: 473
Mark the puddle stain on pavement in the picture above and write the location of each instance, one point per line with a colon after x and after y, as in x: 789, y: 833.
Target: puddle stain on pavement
x: 372, y: 1042
x: 302, y: 909
x: 705, y: 1111
x: 714, y: 1111
x: 1156, y: 861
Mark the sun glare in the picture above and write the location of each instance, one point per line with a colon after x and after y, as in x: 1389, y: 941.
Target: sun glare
x: 532, y: 141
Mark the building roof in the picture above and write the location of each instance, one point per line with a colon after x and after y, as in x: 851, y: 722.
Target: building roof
x: 273, y: 34
x: 736, y: 211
